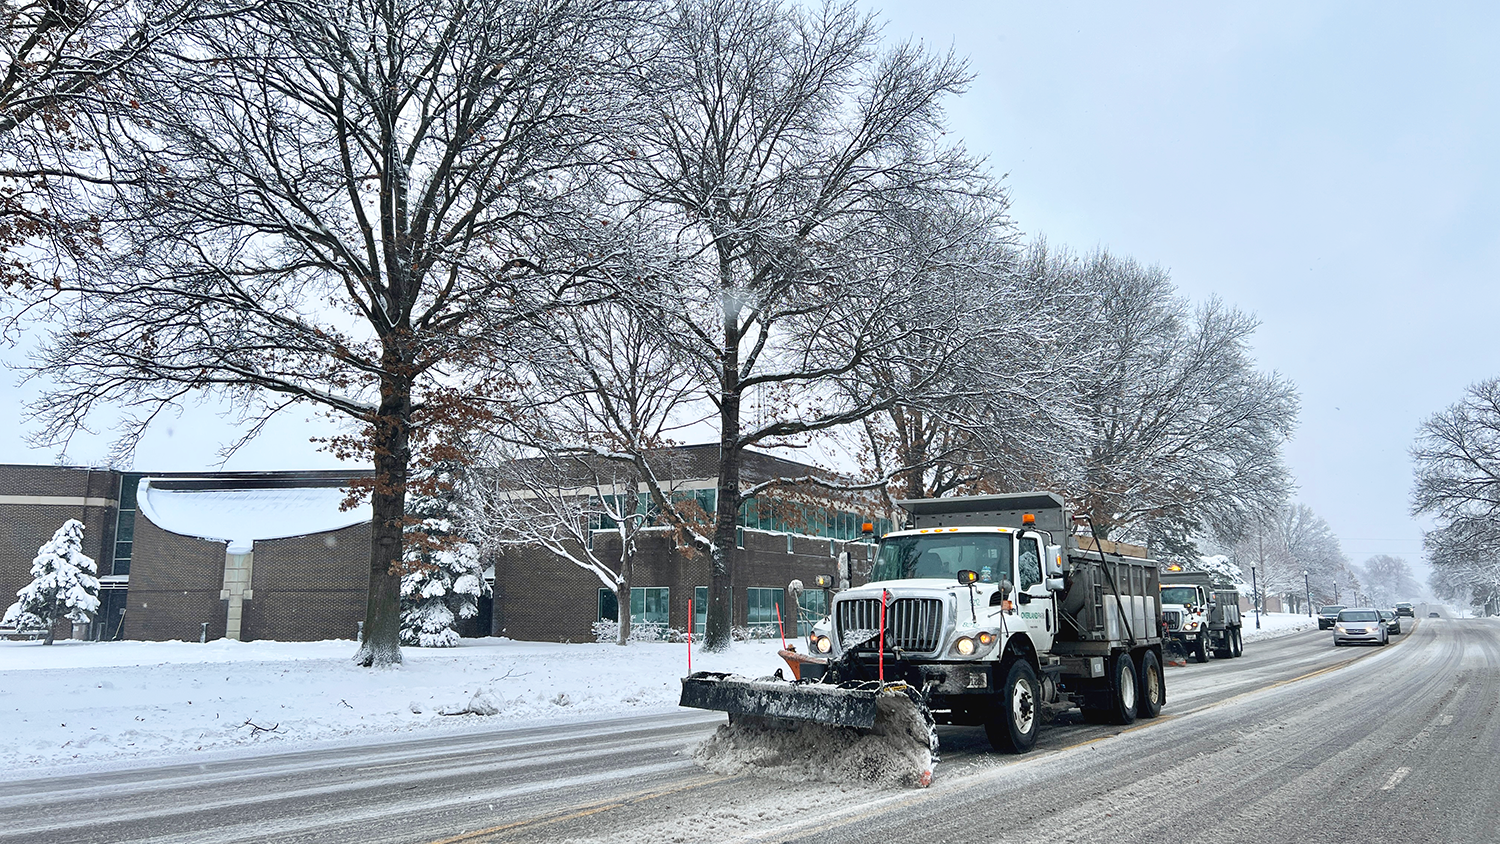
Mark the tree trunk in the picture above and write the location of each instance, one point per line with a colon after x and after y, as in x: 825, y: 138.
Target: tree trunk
x: 381, y: 645
x: 622, y: 587
x: 717, y: 633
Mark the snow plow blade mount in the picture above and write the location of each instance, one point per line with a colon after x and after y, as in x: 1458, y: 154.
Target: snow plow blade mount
x: 822, y: 704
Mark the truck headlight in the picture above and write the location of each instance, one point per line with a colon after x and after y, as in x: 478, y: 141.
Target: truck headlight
x: 822, y: 644
x: 964, y: 646
x: 1192, y: 625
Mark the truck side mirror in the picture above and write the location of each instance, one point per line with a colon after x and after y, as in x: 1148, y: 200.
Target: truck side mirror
x: 1055, y: 584
x: 968, y: 577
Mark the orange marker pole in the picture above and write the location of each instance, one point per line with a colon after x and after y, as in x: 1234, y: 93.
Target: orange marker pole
x: 690, y: 635
x: 780, y: 626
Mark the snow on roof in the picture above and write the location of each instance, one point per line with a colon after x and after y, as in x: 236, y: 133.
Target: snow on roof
x: 241, y: 517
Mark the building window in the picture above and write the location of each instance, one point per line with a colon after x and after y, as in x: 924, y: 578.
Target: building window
x: 125, y: 523
x: 761, y: 605
x: 739, y: 537
x: 789, y: 547
x: 648, y: 605
x: 812, y: 606
x: 700, y: 610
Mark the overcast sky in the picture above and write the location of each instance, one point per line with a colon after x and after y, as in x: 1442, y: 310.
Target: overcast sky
x: 1329, y: 167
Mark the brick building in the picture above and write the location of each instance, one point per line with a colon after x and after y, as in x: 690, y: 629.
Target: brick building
x: 269, y: 555
x: 542, y: 597
x: 253, y: 555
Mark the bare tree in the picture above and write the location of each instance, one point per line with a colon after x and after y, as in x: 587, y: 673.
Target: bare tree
x: 60, y: 61
x: 606, y: 391
x: 1388, y: 579
x: 1457, y: 483
x: 782, y: 140
x: 1183, y: 435
x: 348, y: 205
x: 994, y: 417
x: 1291, y: 540
x: 557, y: 503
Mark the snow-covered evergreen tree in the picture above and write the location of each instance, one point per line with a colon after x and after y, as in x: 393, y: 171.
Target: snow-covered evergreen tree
x: 65, y: 583
x: 444, y: 578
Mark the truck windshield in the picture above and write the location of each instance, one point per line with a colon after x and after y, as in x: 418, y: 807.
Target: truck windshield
x: 944, y: 556
x: 1179, y: 595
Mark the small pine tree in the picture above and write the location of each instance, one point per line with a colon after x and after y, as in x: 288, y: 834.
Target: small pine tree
x: 444, y: 577
x: 65, y: 583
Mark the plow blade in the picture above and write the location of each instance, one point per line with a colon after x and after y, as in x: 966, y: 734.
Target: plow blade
x: 801, y: 732
x: 831, y: 705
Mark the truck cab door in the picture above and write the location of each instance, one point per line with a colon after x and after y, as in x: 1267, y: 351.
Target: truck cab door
x: 1040, y: 604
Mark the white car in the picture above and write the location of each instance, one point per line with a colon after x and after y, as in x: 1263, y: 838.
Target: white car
x: 1360, y: 624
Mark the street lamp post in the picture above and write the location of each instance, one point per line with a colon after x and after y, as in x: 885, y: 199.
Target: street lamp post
x: 1255, y: 596
x: 1308, y: 586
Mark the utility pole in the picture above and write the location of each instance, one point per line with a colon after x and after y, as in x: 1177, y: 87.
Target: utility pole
x: 1308, y: 585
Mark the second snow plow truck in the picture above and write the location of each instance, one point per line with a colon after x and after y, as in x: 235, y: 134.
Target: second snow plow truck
x: 978, y: 612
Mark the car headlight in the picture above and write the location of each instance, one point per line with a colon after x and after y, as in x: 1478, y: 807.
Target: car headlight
x: 964, y: 646
x: 822, y: 644
x: 1338, y: 628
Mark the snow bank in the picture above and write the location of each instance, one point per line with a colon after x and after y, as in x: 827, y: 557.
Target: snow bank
x: 1274, y: 624
x: 94, y: 703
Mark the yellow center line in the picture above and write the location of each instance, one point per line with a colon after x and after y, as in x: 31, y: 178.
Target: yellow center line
x: 592, y: 809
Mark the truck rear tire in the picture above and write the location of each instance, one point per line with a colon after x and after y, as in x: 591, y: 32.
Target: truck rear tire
x: 1239, y: 642
x: 1153, y: 686
x: 1126, y: 692
x: 1012, y: 723
x: 1200, y: 652
x: 1224, y: 647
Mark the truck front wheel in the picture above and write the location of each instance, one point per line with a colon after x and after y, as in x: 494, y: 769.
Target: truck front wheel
x: 1012, y: 723
x: 1200, y: 653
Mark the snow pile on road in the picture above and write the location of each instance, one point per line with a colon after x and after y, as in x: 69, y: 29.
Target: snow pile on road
x: 899, y: 751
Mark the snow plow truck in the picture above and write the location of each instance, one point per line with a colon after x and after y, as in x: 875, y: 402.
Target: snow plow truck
x: 978, y: 612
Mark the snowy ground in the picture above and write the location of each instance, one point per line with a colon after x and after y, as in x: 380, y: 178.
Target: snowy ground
x: 86, y: 704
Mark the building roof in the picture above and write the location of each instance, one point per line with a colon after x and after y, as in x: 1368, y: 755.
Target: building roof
x: 243, y: 515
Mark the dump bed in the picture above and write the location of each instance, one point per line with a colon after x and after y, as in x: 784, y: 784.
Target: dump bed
x: 1108, y: 603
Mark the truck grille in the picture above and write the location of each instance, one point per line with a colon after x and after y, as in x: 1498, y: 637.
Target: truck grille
x: 912, y: 624
x: 1173, y: 618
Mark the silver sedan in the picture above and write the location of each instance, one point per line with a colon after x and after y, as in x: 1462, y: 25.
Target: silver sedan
x: 1360, y: 624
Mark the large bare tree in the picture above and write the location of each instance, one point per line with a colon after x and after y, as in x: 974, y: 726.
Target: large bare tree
x: 785, y: 141
x: 1183, y: 434
x: 349, y: 205
x: 1456, y: 461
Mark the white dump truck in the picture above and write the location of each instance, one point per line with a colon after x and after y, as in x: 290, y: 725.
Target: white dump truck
x: 977, y: 612
x: 1199, y: 616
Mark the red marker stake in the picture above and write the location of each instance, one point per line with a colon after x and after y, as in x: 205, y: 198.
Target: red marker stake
x: 780, y: 626
x: 690, y: 635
